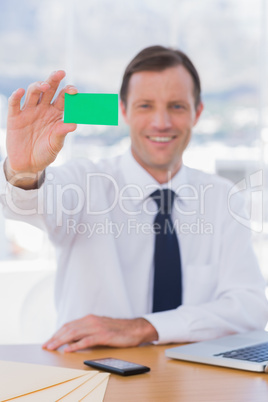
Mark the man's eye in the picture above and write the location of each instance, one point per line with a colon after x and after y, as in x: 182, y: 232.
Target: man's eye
x: 177, y: 106
x: 144, y: 105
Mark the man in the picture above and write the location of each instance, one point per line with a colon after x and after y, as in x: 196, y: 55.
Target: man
x: 101, y: 217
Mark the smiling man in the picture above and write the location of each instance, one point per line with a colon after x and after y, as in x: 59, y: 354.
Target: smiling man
x: 148, y: 249
x: 160, y: 111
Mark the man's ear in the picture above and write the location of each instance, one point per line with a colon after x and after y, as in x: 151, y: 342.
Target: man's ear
x: 198, y: 112
x: 123, y: 109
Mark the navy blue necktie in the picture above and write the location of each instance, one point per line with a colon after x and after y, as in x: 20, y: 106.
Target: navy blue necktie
x: 167, y: 292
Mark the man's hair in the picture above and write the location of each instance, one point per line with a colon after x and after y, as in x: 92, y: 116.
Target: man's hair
x: 158, y: 58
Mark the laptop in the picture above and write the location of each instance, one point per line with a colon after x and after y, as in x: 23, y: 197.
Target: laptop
x: 247, y: 351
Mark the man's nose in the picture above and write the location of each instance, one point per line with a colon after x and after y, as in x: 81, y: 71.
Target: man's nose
x: 161, y: 120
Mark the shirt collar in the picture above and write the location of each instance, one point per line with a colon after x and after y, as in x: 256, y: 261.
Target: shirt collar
x: 141, y: 184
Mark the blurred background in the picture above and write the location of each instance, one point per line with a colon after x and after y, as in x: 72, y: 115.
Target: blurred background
x: 93, y: 41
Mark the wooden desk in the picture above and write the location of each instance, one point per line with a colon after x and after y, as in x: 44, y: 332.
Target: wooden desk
x: 168, y: 381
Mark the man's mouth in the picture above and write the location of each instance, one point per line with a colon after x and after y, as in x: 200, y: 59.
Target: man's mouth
x: 160, y: 139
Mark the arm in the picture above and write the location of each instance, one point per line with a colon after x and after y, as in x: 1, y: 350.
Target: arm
x: 229, y: 297
x: 226, y: 297
x: 235, y: 303
x: 239, y: 305
x: 35, y: 132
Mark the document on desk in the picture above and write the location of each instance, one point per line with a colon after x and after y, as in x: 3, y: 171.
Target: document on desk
x: 25, y: 382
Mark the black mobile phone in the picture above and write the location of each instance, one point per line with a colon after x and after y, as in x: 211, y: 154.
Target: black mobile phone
x: 117, y: 366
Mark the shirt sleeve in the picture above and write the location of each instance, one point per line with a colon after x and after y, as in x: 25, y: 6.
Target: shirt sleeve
x: 19, y: 204
x: 60, y: 198
x: 238, y: 302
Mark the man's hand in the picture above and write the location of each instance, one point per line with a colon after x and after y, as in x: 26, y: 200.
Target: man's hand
x: 36, y: 132
x: 93, y: 330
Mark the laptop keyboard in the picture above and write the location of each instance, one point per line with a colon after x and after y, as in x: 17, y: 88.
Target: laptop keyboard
x: 257, y: 353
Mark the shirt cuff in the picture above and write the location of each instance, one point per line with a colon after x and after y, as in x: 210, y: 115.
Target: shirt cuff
x: 168, y: 326
x: 17, y: 193
x: 16, y: 201
x: 3, y: 181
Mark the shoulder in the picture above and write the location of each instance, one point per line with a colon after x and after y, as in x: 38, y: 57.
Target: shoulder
x: 221, y: 191
x: 198, y: 177
x: 217, y: 187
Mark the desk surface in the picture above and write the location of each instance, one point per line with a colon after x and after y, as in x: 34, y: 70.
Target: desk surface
x: 168, y: 380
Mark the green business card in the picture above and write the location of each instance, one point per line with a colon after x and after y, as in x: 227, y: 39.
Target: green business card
x: 100, y: 109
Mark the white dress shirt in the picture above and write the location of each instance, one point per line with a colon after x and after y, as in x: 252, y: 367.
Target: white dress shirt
x: 99, y: 216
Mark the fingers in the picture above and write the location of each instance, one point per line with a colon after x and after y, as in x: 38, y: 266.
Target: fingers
x: 58, y: 340
x: 74, y: 331
x: 14, y: 102
x: 79, y: 345
x: 54, y: 81
x: 61, y: 337
x: 91, y: 331
x: 34, y: 93
x: 73, y: 346
x: 59, y: 102
x: 68, y: 333
x: 43, y: 92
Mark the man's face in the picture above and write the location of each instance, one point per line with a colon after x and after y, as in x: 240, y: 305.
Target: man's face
x: 161, y: 114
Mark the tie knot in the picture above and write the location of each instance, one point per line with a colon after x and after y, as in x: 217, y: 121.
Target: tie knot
x: 164, y: 200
